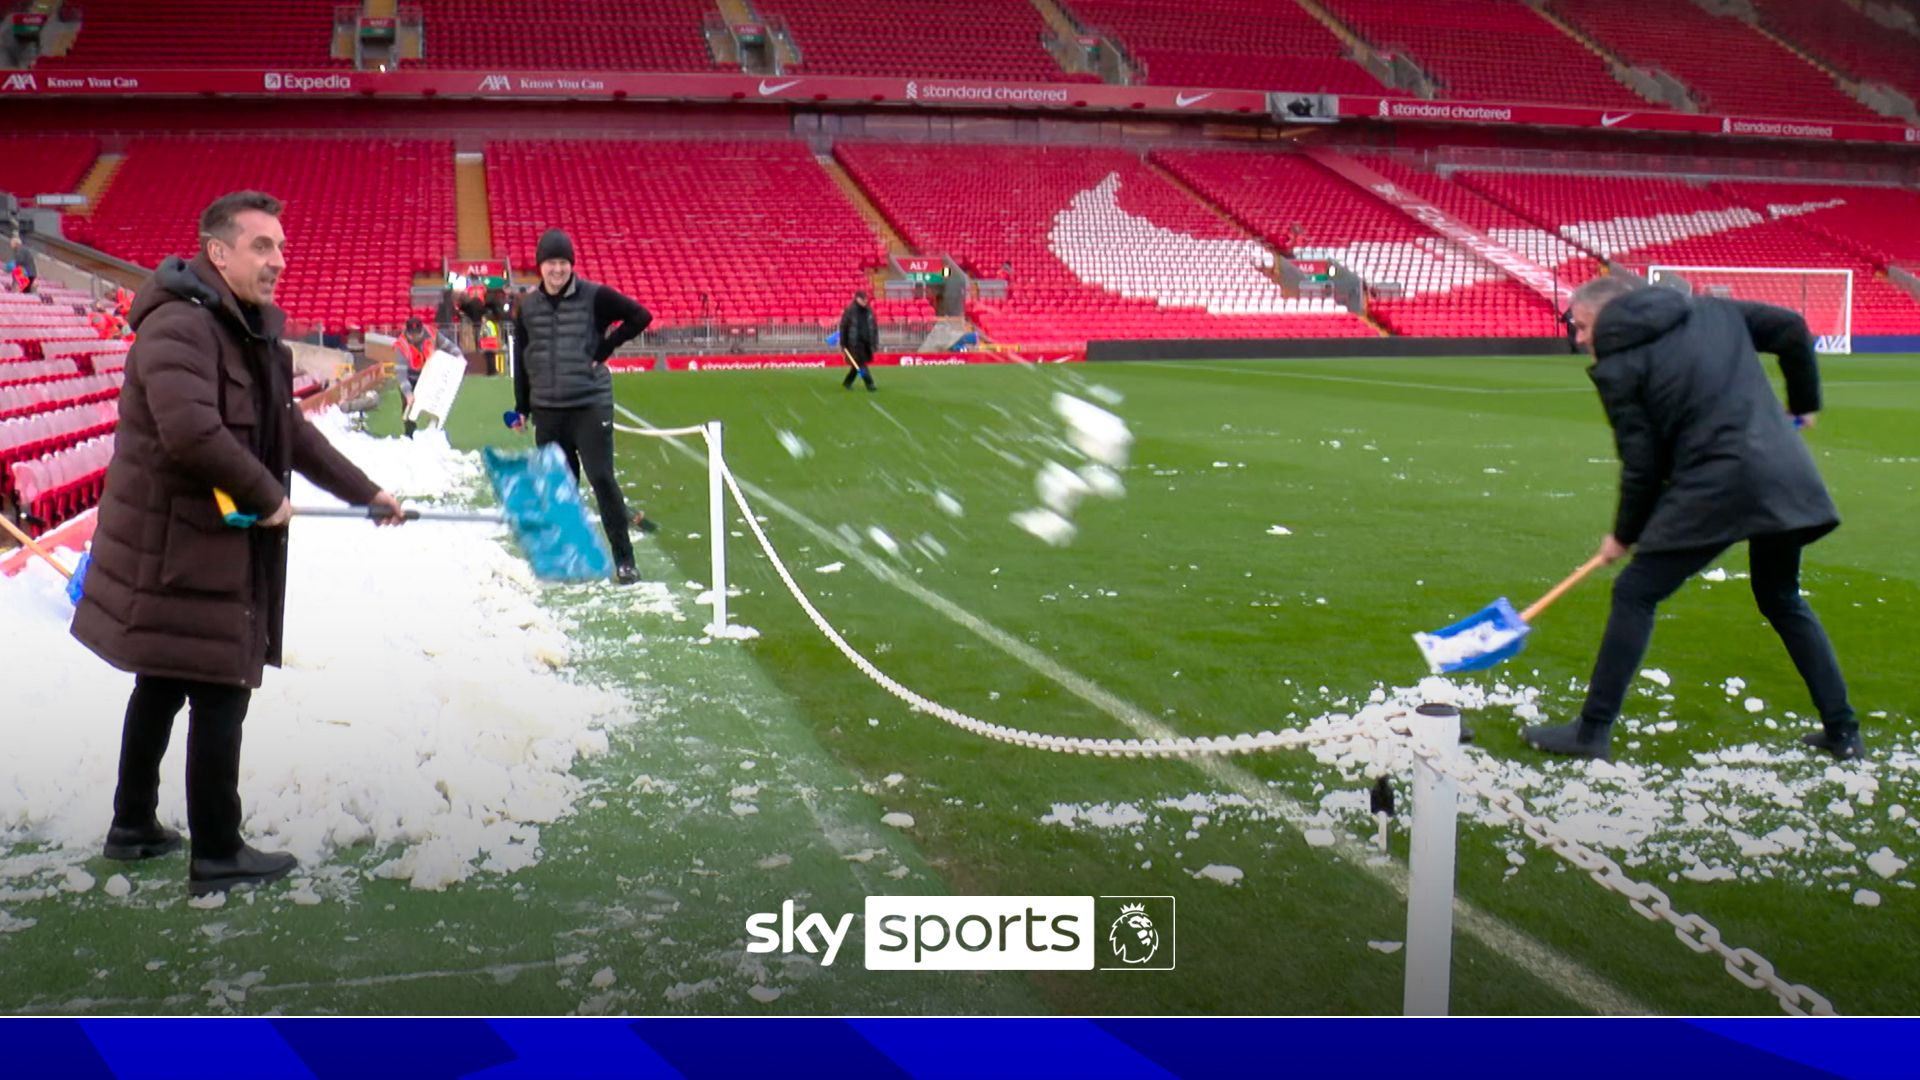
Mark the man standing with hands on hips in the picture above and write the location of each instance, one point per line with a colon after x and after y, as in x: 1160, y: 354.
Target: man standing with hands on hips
x: 563, y: 335
x: 1708, y: 458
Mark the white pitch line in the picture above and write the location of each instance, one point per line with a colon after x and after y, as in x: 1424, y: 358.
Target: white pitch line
x: 904, y: 430
x: 1569, y: 977
x: 1178, y: 365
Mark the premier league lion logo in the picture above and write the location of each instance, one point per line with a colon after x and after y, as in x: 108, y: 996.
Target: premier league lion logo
x: 1132, y: 936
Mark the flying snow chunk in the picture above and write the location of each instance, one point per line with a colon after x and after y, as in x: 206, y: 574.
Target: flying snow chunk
x: 793, y: 444
x: 1753, y: 704
x: 1046, y: 525
x: 898, y: 820
x: 1279, y: 530
x: 1655, y: 675
x: 1102, y: 481
x: 882, y: 541
x: 1388, y: 947
x: 1094, y: 431
x: 1866, y: 898
x: 948, y: 505
x: 1060, y: 488
x: 830, y: 568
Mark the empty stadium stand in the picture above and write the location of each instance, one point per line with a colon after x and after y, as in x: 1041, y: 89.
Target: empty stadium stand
x: 362, y: 215
x: 38, y: 164
x: 1489, y: 50
x: 594, y: 35
x: 1251, y: 44
x: 1422, y: 283
x: 1843, y: 37
x: 1729, y: 67
x: 1642, y: 221
x: 981, y: 39
x: 1095, y: 244
x: 757, y: 227
x: 201, y: 33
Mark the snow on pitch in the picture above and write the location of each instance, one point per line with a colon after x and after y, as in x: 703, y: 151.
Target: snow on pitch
x: 422, y: 708
x: 1751, y: 811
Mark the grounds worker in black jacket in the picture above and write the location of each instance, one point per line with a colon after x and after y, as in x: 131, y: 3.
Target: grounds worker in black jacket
x: 562, y: 336
x: 859, y: 336
x: 1708, y: 458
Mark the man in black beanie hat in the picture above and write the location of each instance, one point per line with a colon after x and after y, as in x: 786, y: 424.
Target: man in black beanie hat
x: 563, y: 335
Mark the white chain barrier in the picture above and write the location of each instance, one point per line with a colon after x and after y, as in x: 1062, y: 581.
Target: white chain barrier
x: 1178, y: 746
x: 1746, y: 966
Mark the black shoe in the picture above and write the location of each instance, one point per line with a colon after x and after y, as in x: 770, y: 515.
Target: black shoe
x: 245, y: 867
x: 872, y: 389
x: 625, y: 574
x: 1842, y: 741
x: 1580, y: 739
x: 644, y: 524
x: 146, y: 842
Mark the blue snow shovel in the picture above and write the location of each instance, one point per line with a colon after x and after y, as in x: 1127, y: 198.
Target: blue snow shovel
x: 539, y: 501
x: 1494, y: 634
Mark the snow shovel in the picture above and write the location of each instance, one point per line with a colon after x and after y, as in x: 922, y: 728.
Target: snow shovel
x: 539, y: 500
x: 1494, y: 634
x: 76, y: 577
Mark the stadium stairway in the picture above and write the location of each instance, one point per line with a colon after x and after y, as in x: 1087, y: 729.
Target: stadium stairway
x: 895, y: 244
x: 93, y: 186
x: 1615, y: 63
x: 473, y: 222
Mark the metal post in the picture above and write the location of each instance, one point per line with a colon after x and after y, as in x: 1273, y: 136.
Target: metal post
x: 1430, y: 879
x: 717, y: 524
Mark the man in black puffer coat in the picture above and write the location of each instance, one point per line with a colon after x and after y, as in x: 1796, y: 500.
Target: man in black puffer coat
x: 1708, y: 458
x: 563, y: 335
x: 859, y: 336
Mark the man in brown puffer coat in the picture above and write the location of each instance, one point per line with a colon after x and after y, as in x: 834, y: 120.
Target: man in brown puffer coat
x: 189, y: 604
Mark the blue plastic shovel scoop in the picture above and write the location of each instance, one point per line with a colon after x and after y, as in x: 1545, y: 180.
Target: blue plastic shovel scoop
x: 1494, y: 634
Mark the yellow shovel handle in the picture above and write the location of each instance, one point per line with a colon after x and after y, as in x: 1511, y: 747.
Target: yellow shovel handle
x: 1560, y: 590
x: 34, y: 546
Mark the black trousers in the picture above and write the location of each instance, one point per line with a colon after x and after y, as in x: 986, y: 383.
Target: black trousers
x: 213, y: 758
x: 586, y: 437
x: 1774, y: 563
x: 858, y: 369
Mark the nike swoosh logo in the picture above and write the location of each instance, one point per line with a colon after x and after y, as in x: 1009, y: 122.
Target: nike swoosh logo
x: 1608, y: 120
x: 776, y: 87
x: 1181, y: 101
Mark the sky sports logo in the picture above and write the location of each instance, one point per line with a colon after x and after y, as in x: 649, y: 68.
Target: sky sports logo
x: 984, y: 933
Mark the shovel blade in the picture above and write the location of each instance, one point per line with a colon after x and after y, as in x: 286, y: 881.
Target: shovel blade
x: 1490, y: 636
x: 549, y: 519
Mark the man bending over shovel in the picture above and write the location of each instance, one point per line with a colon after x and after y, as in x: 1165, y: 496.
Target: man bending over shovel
x: 1707, y: 459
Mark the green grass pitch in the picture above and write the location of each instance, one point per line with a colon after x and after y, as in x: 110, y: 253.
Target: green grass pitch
x: 1413, y: 492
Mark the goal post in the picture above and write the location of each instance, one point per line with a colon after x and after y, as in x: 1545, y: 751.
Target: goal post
x: 1823, y: 296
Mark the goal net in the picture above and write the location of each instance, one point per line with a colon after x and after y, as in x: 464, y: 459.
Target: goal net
x: 1823, y: 297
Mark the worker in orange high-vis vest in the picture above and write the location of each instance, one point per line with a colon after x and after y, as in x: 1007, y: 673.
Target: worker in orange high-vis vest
x: 410, y: 354
x: 105, y: 322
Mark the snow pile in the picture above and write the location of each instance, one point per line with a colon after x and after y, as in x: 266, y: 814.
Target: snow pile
x: 420, y: 710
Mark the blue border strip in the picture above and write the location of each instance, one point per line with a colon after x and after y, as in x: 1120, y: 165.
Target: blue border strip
x: 939, y: 1049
